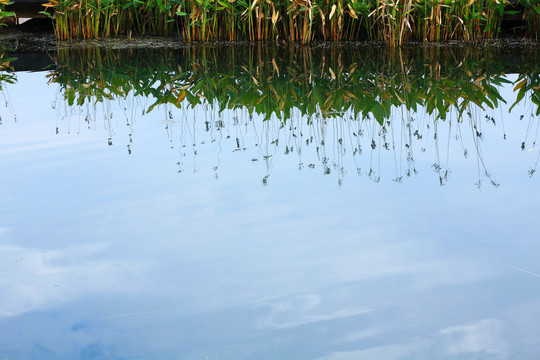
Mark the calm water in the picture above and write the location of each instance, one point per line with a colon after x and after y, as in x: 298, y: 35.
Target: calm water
x: 274, y: 203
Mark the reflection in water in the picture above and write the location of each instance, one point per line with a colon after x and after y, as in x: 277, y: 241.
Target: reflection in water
x: 273, y: 81
x: 6, y: 77
x: 332, y: 102
x: 107, y: 255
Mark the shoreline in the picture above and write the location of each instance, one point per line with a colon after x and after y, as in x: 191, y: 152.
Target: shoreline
x: 43, y: 40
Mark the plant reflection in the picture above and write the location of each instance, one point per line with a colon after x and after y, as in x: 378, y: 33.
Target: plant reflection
x: 6, y: 76
x: 330, y: 101
x: 269, y: 80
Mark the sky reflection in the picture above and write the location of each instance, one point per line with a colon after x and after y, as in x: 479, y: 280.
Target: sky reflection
x: 114, y: 254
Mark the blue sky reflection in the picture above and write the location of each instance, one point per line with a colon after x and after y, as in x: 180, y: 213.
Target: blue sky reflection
x: 110, y: 255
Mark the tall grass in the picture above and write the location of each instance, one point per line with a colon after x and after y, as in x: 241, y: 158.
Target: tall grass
x: 392, y: 21
x: 532, y: 17
x: 104, y: 18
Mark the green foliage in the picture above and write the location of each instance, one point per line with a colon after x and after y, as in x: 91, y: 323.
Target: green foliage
x: 532, y: 16
x: 6, y: 75
x: 3, y: 13
x: 392, y: 21
x: 368, y: 82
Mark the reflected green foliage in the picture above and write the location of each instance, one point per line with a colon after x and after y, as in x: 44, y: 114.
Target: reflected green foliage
x: 323, y: 102
x: 6, y: 76
x: 271, y: 81
x: 528, y: 84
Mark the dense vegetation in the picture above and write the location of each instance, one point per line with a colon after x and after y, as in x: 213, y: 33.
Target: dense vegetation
x: 273, y: 81
x: 393, y: 22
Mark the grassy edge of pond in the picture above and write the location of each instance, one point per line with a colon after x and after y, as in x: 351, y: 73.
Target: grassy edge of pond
x: 391, y: 22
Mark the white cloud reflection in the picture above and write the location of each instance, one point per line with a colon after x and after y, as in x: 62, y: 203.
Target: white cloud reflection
x: 482, y: 336
x: 33, y: 279
x: 302, y: 310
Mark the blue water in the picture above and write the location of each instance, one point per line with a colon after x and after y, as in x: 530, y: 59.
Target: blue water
x: 138, y: 236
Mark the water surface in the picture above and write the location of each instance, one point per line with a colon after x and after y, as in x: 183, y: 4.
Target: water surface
x: 270, y: 203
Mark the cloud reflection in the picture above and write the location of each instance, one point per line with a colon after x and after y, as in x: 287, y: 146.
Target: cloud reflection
x: 33, y: 279
x: 483, y: 336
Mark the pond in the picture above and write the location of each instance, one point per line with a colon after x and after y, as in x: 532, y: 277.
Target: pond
x: 270, y: 202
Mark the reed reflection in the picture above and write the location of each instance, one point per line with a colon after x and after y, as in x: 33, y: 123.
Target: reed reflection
x: 6, y: 77
x: 332, y: 107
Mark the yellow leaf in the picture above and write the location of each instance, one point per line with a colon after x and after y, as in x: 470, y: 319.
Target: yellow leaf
x: 479, y: 79
x: 332, y: 73
x: 350, y: 95
x: 322, y: 17
x: 181, y: 97
x: 294, y: 94
x: 275, y: 65
x: 275, y: 15
x: 520, y: 84
x: 352, y: 12
x: 332, y: 11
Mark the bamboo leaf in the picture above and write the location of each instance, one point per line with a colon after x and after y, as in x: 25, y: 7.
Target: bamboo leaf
x: 332, y: 73
x: 520, y: 84
x: 332, y: 11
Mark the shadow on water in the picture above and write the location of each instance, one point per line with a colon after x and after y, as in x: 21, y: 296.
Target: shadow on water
x: 334, y: 108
